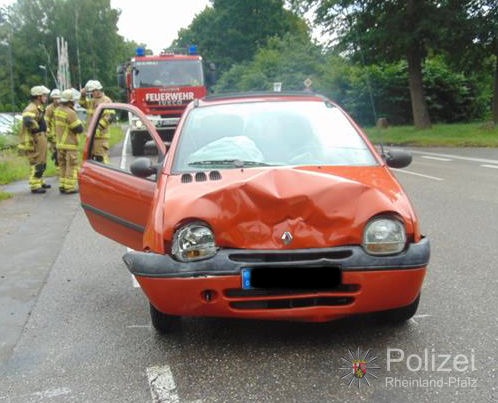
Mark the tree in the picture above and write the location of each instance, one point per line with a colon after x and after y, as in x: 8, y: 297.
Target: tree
x: 473, y: 47
x: 387, y: 31
x: 486, y: 22
x: 230, y: 32
x: 89, y: 27
x: 289, y: 60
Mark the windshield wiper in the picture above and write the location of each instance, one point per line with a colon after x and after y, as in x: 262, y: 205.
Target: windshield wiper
x: 233, y: 162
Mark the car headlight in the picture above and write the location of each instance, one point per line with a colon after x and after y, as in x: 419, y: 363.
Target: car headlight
x: 194, y: 242
x: 384, y: 236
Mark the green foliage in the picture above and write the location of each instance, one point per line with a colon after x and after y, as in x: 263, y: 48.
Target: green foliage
x: 289, y: 60
x: 231, y: 32
x: 374, y: 32
x: 5, y: 195
x: 451, y: 96
x: 28, y: 39
x: 443, y: 135
x: 381, y: 90
x: 12, y: 167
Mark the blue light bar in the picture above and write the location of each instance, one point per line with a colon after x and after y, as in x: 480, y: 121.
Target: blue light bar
x: 192, y: 50
x: 140, y: 52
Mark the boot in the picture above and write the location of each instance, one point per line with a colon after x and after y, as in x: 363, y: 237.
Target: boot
x: 70, y: 192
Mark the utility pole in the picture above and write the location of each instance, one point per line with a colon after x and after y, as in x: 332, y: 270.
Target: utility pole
x: 77, y: 48
x: 44, y: 68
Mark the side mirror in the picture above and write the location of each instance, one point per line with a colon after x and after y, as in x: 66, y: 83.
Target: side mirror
x: 143, y: 167
x: 397, y: 158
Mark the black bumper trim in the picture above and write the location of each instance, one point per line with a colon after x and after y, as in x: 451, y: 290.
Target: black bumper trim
x: 164, y: 266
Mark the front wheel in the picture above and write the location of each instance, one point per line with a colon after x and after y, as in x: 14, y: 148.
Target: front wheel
x: 400, y: 315
x: 162, y: 322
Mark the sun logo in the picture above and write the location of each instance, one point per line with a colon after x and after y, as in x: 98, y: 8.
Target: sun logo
x: 359, y: 367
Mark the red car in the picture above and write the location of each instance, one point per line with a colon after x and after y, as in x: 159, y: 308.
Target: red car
x: 265, y: 206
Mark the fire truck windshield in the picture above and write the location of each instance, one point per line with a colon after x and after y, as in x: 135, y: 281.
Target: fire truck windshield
x: 168, y: 73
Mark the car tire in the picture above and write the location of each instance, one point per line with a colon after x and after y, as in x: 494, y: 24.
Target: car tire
x: 400, y: 315
x: 163, y: 322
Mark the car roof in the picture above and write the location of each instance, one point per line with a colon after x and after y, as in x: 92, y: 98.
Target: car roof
x: 261, y: 96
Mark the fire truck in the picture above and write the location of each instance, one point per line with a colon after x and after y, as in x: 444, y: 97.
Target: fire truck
x: 162, y: 86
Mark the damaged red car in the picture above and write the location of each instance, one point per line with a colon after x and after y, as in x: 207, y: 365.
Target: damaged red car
x: 264, y: 206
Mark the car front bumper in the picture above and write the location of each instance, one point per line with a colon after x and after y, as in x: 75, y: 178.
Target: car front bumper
x: 213, y: 287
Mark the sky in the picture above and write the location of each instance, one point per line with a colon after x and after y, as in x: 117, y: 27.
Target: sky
x: 156, y: 23
x: 153, y: 22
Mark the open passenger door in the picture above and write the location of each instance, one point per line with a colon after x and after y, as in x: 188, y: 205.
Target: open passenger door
x: 117, y: 202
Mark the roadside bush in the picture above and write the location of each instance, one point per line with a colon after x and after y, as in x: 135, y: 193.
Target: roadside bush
x: 369, y: 92
x: 451, y: 96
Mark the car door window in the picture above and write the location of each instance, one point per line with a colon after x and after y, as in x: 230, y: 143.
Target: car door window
x: 116, y: 134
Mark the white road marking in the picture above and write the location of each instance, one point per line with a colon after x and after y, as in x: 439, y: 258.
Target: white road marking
x: 490, y: 166
x: 456, y: 157
x: 412, y: 320
x: 124, y: 153
x: 418, y: 174
x: 134, y: 282
x: 50, y: 393
x: 428, y: 157
x: 162, y: 385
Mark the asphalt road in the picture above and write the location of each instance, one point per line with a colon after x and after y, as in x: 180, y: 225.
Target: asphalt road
x: 74, y: 328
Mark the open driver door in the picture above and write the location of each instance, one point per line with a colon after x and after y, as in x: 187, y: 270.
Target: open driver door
x: 116, y: 202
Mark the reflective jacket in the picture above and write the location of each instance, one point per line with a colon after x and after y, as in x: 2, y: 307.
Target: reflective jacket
x: 33, y: 123
x: 67, y: 127
x: 90, y: 104
x: 49, y: 118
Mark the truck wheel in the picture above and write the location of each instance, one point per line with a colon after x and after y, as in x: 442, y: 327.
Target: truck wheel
x: 402, y: 314
x: 162, y: 322
x: 137, y: 144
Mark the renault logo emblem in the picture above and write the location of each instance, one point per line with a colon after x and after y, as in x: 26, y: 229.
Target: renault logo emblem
x: 286, y: 237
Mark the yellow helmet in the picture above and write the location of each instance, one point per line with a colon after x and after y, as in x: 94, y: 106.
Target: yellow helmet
x: 93, y: 85
x: 38, y: 90
x: 56, y: 93
x: 69, y: 95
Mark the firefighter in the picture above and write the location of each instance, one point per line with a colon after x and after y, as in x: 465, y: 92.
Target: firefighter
x: 67, y: 127
x: 92, y: 95
x: 33, y: 138
x: 49, y: 118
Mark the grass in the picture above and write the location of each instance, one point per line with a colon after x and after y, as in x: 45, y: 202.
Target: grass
x: 14, y: 167
x: 442, y: 135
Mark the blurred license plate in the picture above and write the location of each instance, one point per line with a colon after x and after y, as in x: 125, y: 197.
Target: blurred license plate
x: 298, y: 278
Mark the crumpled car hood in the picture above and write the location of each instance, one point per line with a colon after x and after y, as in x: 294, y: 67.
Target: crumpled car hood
x: 253, y: 208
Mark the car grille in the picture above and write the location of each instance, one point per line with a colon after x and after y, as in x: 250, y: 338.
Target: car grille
x: 284, y: 256
x: 255, y: 292
x: 288, y: 303
x: 288, y: 299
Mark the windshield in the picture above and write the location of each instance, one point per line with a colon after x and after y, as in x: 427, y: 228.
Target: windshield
x: 269, y: 134
x: 168, y: 73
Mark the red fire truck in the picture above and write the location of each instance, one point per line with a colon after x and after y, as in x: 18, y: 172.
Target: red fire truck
x: 162, y: 86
